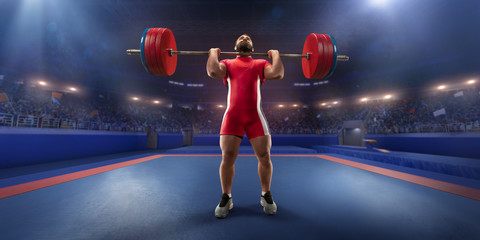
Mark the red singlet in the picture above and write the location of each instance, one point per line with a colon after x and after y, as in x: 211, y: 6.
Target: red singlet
x: 244, y: 112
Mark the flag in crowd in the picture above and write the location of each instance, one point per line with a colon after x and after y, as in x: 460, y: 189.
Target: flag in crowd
x: 439, y: 112
x: 55, y: 100
x: 458, y: 94
x: 3, y: 97
x: 56, y: 97
x: 94, y: 113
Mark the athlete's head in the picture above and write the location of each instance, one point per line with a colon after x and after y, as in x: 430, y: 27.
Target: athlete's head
x: 244, y: 44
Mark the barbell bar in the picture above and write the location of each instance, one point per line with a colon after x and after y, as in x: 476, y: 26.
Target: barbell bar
x: 171, y: 53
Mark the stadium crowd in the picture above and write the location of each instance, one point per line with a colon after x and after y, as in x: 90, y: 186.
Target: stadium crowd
x: 447, y: 111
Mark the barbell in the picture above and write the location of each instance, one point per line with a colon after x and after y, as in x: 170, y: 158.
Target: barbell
x: 158, y: 52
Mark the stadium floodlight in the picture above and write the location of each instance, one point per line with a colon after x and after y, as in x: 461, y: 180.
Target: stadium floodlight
x: 335, y: 102
x: 281, y: 105
x: 295, y: 105
x: 323, y: 104
x: 42, y: 83
x: 378, y: 2
x: 364, y: 99
x: 471, y: 81
x: 441, y: 87
x: 72, y: 89
x: 220, y: 106
x: 156, y: 102
x: 387, y: 96
x: 135, y: 98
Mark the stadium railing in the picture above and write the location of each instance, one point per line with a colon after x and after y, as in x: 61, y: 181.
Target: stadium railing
x: 6, y: 120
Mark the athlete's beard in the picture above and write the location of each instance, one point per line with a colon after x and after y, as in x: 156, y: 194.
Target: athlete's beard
x: 244, y: 46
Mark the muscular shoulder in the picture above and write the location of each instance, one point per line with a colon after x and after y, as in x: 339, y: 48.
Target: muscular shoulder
x: 226, y: 61
x: 261, y: 64
x: 261, y: 61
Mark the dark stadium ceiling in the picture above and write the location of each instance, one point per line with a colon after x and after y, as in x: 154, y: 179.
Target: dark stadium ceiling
x: 392, y: 44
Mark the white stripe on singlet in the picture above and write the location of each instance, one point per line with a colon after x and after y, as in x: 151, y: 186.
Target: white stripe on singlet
x: 228, y: 99
x: 266, y: 130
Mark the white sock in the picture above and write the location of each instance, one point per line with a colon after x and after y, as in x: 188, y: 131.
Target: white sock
x: 230, y: 195
x: 263, y: 193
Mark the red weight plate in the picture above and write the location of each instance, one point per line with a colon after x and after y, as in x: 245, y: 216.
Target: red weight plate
x: 331, y: 53
x: 311, y: 46
x: 169, y: 63
x: 159, y: 52
x: 326, y: 64
x: 321, y: 58
x: 151, y: 48
x: 328, y: 56
x: 148, y: 51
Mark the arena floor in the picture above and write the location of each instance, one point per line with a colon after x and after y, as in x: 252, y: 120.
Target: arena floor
x: 147, y: 195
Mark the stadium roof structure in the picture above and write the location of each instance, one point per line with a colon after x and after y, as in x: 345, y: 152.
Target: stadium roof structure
x: 394, y: 45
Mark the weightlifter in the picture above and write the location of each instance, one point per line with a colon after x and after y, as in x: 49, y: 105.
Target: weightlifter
x: 243, y: 77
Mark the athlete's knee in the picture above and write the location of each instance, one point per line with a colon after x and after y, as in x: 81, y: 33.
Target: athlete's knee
x: 263, y: 156
x: 229, y: 157
x: 229, y: 153
x: 225, y: 165
x: 264, y: 159
x: 265, y: 164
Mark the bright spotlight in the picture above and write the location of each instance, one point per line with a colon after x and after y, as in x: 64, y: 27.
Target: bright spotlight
x: 387, y: 96
x: 156, y: 102
x: 220, y: 106
x: 364, y: 99
x: 323, y: 104
x: 42, y: 83
x: 335, y: 102
x: 280, y: 105
x: 378, y: 2
x: 441, y: 87
x: 295, y: 105
x: 135, y: 98
x: 73, y: 89
x: 472, y: 81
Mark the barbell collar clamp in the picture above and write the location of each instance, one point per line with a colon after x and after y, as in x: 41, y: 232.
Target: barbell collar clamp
x: 343, y: 58
x: 133, y: 51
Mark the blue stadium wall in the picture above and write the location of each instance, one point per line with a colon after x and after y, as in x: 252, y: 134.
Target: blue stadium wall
x: 26, y: 146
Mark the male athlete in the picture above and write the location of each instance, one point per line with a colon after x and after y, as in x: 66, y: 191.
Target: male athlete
x: 243, y: 76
